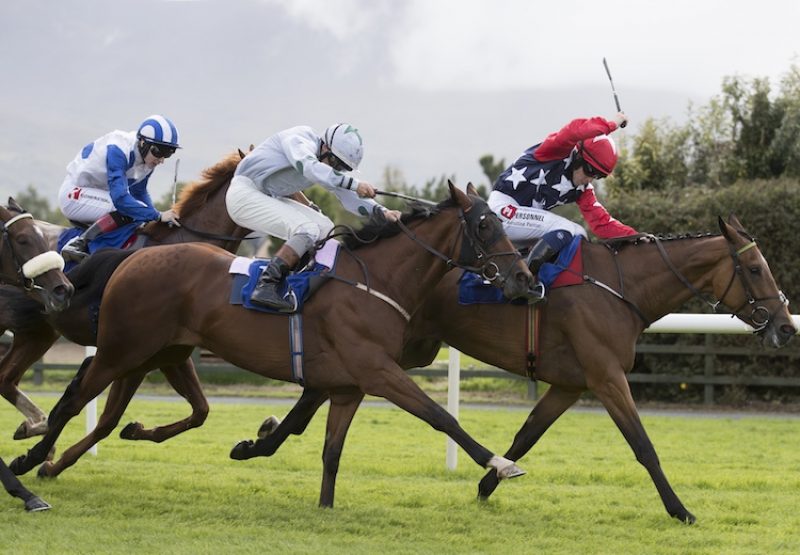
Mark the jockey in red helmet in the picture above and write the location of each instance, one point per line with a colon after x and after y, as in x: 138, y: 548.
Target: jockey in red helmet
x: 557, y: 171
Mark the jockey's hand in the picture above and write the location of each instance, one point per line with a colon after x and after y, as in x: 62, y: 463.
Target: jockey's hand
x: 170, y: 217
x: 621, y: 119
x: 365, y: 190
x: 392, y: 215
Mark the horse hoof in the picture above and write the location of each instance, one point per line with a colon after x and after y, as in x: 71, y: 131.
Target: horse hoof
x: 45, y: 471
x: 131, y: 431
x: 36, y: 504
x: 241, y: 451
x: 510, y: 471
x: 26, y: 430
x: 686, y: 517
x: 268, y: 426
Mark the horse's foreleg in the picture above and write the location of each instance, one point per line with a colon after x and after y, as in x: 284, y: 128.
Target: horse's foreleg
x: 84, y: 387
x: 15, y: 488
x: 25, y: 350
x: 615, y: 394
x: 551, y: 406
x: 295, y: 422
x: 340, y: 415
x: 183, y: 379
x: 119, y: 397
x: 394, y: 385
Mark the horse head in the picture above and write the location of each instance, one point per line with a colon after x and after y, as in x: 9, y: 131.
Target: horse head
x: 486, y: 249
x: 754, y: 297
x: 27, y: 261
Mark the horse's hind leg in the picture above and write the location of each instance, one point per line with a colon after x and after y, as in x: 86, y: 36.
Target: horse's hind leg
x: 549, y: 408
x: 615, y: 394
x: 340, y: 416
x: 295, y: 423
x: 27, y: 348
x: 120, y: 395
x: 15, y: 488
x: 183, y: 379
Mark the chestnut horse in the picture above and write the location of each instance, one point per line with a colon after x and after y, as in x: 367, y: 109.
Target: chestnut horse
x: 204, y: 218
x: 353, y: 327
x: 588, y: 333
x: 26, y: 262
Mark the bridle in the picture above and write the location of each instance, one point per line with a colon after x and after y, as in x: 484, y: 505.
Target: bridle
x: 26, y: 272
x: 760, y: 316
x: 473, y: 250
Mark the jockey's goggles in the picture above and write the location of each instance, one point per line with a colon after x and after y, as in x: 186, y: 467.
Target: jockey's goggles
x: 336, y: 163
x: 161, y: 151
x: 592, y: 172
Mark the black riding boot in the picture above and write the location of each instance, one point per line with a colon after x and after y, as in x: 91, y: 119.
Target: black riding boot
x: 540, y: 253
x: 266, y: 291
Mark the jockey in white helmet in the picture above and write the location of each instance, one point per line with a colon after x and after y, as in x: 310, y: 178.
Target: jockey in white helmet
x: 266, y: 195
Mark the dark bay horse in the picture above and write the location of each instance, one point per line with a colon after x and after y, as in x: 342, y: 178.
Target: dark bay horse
x: 353, y: 339
x: 204, y: 218
x: 26, y: 262
x: 589, y: 333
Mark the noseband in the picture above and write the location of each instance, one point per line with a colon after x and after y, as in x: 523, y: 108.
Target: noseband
x: 27, y: 272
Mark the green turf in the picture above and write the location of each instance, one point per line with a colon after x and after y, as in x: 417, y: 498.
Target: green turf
x: 584, y: 492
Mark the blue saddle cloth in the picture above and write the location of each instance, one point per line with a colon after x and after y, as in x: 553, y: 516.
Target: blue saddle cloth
x: 113, y: 239
x: 472, y: 289
x: 299, y: 285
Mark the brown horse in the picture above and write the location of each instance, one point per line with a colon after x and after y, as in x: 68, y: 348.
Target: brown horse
x: 589, y: 333
x: 204, y: 218
x: 26, y: 262
x: 353, y: 331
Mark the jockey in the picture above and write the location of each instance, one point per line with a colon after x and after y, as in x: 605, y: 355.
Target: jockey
x: 265, y: 195
x: 106, y: 183
x: 557, y: 171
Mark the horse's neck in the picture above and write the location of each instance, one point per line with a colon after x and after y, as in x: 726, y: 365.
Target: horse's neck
x: 651, y: 285
x: 401, y: 268
x: 51, y: 232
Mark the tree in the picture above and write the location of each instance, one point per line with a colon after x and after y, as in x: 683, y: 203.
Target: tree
x: 40, y: 207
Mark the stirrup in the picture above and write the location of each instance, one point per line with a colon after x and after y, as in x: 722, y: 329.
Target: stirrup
x: 538, y: 291
x: 72, y: 254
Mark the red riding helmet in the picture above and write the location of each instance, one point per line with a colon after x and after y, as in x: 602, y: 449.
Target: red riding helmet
x: 600, y: 152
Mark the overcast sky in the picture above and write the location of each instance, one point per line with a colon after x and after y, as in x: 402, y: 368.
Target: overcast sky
x: 432, y: 84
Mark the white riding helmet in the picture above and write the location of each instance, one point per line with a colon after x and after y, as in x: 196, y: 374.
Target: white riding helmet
x: 345, y: 143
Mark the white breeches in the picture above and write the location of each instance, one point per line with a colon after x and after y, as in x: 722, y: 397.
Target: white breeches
x: 277, y: 216
x: 524, y: 224
x: 82, y: 204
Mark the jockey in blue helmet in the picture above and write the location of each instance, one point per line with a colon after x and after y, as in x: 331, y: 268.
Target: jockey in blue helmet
x: 106, y: 183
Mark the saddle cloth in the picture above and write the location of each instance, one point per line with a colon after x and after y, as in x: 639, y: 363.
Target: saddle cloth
x: 299, y: 286
x: 566, y: 270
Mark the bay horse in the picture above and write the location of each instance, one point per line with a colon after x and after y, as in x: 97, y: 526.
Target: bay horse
x: 26, y: 262
x: 203, y: 217
x: 588, y: 333
x: 353, y: 339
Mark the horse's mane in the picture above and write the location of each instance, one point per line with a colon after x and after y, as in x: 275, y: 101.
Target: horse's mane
x: 619, y: 242
x: 196, y: 193
x: 379, y: 228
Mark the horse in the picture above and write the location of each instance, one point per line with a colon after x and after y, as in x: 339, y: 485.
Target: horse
x: 27, y: 262
x: 203, y: 217
x: 588, y: 333
x: 398, y: 271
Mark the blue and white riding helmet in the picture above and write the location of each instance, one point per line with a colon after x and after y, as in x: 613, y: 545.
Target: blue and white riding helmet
x: 158, y: 130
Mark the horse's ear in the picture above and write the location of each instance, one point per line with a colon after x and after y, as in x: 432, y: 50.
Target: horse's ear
x: 252, y: 147
x: 725, y: 229
x: 13, y: 205
x: 734, y: 222
x: 458, y: 196
x: 471, y: 190
x: 241, y: 154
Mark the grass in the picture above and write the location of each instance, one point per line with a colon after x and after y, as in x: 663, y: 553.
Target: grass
x: 584, y: 492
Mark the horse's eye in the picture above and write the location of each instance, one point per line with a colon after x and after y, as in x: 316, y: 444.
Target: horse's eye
x: 755, y: 270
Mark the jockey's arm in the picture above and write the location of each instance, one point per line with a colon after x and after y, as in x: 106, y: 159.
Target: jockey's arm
x: 141, y: 208
x: 600, y: 221
x: 558, y: 145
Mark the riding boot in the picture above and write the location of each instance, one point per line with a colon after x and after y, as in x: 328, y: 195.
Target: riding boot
x: 540, y: 253
x: 77, y: 248
x: 266, y: 292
